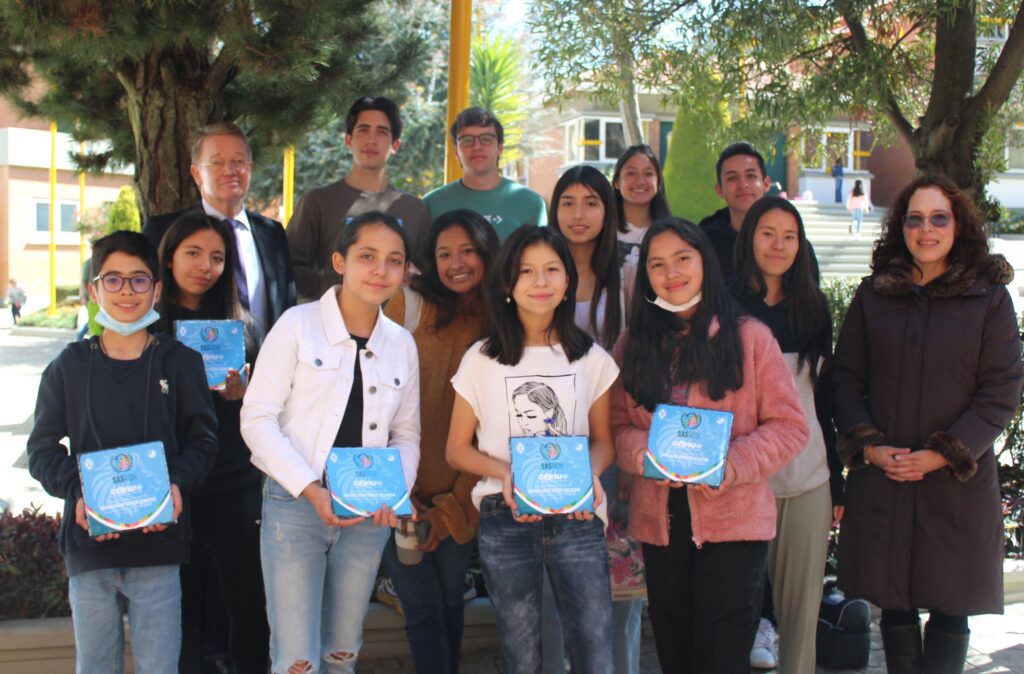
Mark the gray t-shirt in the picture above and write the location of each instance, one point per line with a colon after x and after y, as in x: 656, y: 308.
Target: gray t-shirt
x: 322, y: 213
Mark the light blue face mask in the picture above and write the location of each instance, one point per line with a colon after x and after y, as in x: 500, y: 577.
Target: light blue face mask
x: 125, y: 329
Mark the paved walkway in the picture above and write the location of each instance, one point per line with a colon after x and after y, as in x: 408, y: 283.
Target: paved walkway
x: 997, y: 645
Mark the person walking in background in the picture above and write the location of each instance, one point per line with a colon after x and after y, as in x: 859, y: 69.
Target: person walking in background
x: 857, y: 204
x: 16, y: 298
x: 443, y: 308
x: 774, y: 284
x: 639, y: 197
x: 837, y: 173
x: 928, y: 375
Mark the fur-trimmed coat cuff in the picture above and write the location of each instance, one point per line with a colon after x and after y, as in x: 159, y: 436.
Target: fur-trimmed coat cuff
x: 852, y: 443
x: 958, y: 455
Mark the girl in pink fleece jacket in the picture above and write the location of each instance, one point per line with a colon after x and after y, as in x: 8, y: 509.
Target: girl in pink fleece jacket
x: 705, y: 548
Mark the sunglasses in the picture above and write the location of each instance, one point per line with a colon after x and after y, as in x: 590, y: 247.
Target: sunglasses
x: 937, y: 220
x: 113, y: 283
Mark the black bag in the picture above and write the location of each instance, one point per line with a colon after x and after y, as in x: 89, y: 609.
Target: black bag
x: 844, y: 631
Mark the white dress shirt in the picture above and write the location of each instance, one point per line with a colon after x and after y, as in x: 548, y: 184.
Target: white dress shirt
x: 250, y: 260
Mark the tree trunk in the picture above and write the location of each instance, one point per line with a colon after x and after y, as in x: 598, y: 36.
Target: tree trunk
x: 168, y: 102
x: 629, y: 104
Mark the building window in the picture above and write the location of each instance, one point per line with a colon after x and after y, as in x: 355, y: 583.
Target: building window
x: 595, y: 140
x: 66, y: 216
x: 821, y: 148
x: 1015, y: 149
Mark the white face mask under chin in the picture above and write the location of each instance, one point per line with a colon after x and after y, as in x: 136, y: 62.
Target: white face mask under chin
x: 675, y: 308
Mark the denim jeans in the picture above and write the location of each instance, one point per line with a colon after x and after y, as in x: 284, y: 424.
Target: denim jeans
x: 151, y: 595
x: 514, y: 556
x: 318, y: 581
x: 432, y: 595
x: 858, y: 219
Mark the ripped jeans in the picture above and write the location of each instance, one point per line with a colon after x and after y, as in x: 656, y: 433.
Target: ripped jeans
x: 514, y: 556
x: 318, y: 582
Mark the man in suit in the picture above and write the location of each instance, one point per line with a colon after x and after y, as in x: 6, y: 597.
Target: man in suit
x: 222, y: 587
x: 222, y: 167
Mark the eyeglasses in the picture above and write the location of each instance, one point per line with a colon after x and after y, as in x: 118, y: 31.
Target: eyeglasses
x: 236, y: 165
x: 113, y: 283
x: 485, y: 140
x: 937, y: 220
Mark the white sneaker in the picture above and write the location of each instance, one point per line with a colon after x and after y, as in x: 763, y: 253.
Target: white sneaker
x: 763, y: 655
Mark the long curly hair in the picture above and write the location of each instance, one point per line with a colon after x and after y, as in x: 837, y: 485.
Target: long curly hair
x: 970, y: 245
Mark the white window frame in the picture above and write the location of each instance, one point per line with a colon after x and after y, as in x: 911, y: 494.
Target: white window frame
x: 579, y: 124
x: 1019, y: 128
x: 37, y: 237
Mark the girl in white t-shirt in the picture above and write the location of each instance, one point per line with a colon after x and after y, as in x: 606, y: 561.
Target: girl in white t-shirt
x: 639, y: 196
x: 536, y: 371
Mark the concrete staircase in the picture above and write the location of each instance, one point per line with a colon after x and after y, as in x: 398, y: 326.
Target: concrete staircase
x: 828, y: 228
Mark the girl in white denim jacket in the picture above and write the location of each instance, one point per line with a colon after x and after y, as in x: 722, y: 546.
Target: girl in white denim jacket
x: 332, y: 373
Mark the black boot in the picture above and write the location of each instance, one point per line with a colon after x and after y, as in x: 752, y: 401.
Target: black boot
x: 944, y: 653
x: 902, y: 648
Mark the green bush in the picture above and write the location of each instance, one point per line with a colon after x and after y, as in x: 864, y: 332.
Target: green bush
x: 33, y: 581
x: 839, y: 291
x: 66, y: 318
x: 690, y: 165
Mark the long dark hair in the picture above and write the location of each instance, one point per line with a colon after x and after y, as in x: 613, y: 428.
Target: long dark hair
x: 858, y: 188
x: 658, y: 355
x: 604, y: 260
x: 503, y: 337
x: 659, y: 204
x: 806, y: 306
x: 220, y: 302
x: 970, y: 245
x: 428, y: 284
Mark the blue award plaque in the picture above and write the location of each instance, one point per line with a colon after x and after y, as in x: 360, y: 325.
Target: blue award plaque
x: 686, y: 444
x: 551, y: 475
x: 362, y: 479
x: 220, y: 343
x: 126, y: 488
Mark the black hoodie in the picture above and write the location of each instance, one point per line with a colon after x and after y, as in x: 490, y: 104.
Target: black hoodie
x: 101, y: 403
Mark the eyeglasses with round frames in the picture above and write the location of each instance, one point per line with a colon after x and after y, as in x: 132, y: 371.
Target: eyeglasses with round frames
x: 113, y: 283
x: 485, y: 140
x: 236, y: 165
x: 937, y: 220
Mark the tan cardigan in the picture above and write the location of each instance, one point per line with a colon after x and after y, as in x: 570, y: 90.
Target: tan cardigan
x: 440, y: 351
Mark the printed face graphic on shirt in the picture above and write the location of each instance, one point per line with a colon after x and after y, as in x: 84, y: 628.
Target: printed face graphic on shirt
x: 541, y: 405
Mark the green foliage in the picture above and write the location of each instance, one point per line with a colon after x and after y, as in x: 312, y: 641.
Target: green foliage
x: 421, y: 92
x: 33, y: 582
x: 498, y: 83
x: 123, y: 213
x: 148, y: 75
x: 839, y: 291
x: 690, y: 166
x: 65, y: 319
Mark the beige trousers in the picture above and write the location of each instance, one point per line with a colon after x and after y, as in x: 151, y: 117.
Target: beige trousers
x: 796, y: 566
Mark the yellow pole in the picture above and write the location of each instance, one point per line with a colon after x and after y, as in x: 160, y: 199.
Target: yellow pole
x: 288, y: 187
x: 52, y: 310
x: 81, y: 213
x: 461, y: 30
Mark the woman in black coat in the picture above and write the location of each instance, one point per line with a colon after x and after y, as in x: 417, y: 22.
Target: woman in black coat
x: 928, y: 374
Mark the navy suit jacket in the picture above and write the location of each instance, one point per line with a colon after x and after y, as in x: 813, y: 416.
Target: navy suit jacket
x: 271, y: 246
